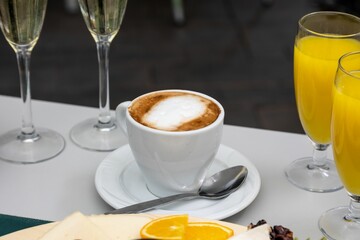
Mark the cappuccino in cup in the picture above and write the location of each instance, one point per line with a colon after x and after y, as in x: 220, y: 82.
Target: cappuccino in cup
x: 174, y: 136
x: 174, y: 111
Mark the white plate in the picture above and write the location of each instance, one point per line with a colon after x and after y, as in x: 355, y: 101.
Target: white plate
x: 119, y: 182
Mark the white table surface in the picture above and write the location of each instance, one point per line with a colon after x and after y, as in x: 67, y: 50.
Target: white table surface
x: 54, y: 189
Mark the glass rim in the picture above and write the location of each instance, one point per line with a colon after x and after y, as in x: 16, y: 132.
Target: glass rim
x: 342, y: 68
x: 301, y: 26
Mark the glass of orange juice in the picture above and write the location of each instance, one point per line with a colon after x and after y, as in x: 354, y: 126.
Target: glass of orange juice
x: 344, y: 222
x: 322, y: 38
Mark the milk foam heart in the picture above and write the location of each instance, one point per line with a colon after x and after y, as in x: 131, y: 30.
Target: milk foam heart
x: 174, y: 111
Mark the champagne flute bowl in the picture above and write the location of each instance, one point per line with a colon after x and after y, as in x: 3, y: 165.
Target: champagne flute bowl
x: 322, y: 38
x: 21, y: 22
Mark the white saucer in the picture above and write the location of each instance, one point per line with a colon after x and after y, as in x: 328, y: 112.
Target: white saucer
x: 119, y: 182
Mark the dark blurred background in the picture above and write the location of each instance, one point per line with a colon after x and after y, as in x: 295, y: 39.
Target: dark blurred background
x: 237, y: 51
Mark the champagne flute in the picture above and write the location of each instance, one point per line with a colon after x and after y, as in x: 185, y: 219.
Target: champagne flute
x: 103, y: 19
x: 344, y: 222
x: 322, y: 38
x: 21, y: 22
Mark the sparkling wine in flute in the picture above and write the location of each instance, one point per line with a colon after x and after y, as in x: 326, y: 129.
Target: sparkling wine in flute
x: 103, y: 19
x: 21, y: 22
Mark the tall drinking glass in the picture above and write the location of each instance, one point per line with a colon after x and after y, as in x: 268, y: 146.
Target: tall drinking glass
x: 344, y: 222
x: 21, y: 22
x: 322, y: 38
x: 103, y: 19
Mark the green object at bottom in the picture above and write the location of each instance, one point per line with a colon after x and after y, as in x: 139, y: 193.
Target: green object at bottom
x: 9, y: 224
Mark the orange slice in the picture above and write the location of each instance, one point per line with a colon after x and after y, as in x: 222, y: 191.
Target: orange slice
x: 170, y: 228
x: 207, y: 231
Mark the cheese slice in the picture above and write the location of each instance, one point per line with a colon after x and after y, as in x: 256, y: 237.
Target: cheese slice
x: 261, y: 232
x: 78, y: 227
x: 121, y: 227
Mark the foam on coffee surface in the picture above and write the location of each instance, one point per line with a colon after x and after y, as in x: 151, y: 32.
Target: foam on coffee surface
x: 174, y: 111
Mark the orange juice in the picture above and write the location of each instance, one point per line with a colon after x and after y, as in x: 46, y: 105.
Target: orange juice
x: 345, y: 132
x: 315, y: 64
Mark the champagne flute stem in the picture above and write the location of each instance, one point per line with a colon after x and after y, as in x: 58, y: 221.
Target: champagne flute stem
x: 103, y: 47
x: 23, y: 55
x: 354, y: 209
x: 319, y: 157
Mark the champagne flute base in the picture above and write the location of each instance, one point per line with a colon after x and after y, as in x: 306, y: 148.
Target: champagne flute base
x: 303, y: 174
x: 44, y: 146
x: 334, y: 225
x: 91, y: 135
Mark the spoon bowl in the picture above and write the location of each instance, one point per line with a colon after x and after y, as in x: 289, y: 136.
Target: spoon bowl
x: 217, y: 186
x: 223, y: 183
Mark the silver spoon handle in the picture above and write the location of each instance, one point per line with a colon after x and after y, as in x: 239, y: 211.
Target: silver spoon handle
x: 148, y: 205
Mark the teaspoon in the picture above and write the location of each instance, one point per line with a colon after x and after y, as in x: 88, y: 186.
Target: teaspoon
x: 219, y: 185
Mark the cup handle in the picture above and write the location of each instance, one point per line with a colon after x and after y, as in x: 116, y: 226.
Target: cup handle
x: 120, y: 113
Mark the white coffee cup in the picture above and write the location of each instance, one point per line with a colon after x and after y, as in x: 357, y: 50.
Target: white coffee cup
x: 172, y: 161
